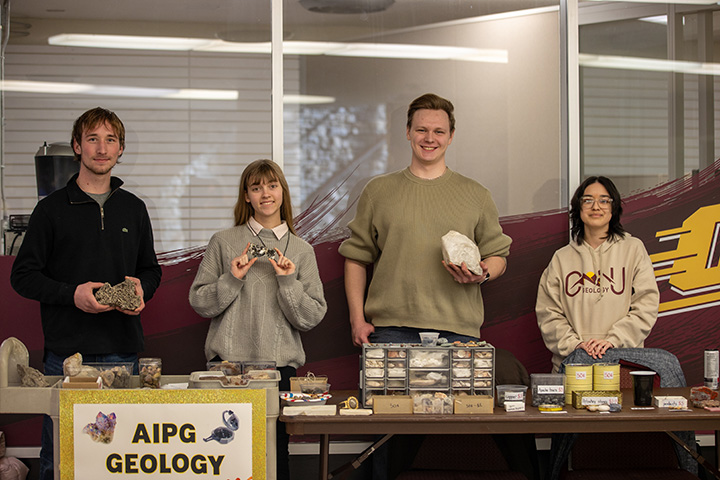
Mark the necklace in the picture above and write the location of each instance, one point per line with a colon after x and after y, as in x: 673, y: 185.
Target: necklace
x: 263, y: 250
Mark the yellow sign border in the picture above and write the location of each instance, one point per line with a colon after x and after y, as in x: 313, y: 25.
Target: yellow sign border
x: 68, y: 398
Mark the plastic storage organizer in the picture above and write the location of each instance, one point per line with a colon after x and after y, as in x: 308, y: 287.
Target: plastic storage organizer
x: 407, y: 369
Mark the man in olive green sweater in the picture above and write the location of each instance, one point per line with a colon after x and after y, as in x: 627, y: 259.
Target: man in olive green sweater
x: 398, y: 226
x: 400, y: 220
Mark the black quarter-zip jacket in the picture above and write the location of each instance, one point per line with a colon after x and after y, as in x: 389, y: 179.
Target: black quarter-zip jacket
x: 71, y: 240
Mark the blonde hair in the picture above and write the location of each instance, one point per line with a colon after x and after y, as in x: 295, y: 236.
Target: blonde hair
x: 257, y: 172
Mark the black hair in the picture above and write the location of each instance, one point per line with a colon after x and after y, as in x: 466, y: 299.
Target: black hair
x: 615, y: 228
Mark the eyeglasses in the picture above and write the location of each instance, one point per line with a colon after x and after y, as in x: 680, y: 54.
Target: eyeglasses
x: 603, y: 202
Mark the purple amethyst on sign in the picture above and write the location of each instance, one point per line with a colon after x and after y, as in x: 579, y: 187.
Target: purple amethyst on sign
x: 103, y: 429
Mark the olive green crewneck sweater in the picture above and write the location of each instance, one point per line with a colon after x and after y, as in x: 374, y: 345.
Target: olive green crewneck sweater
x: 399, y: 222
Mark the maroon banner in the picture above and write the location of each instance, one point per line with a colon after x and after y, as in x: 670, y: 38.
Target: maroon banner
x: 678, y: 222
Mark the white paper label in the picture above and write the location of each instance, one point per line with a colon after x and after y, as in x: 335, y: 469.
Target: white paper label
x: 551, y: 389
x: 510, y: 396
x: 514, y: 406
x: 599, y: 400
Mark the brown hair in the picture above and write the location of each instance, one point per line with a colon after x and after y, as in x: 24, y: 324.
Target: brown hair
x: 262, y: 171
x: 90, y: 120
x: 430, y: 101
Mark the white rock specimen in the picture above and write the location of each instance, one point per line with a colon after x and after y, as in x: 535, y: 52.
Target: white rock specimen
x: 457, y: 248
x: 72, y: 365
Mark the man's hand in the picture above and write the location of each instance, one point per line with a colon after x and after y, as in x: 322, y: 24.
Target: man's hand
x: 85, y: 300
x: 138, y: 291
x: 239, y: 266
x: 361, y: 331
x: 461, y: 274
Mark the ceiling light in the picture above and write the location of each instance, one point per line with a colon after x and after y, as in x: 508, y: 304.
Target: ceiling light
x: 411, y: 51
x: 677, y: 2
x: 127, y: 41
x: 116, y: 90
x: 307, y: 99
x: 649, y: 64
x: 42, y: 87
x: 235, y: 47
x: 659, y: 19
x: 369, y: 50
x: 27, y: 86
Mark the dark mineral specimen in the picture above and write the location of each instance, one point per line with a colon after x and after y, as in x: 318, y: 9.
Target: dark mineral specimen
x: 121, y: 295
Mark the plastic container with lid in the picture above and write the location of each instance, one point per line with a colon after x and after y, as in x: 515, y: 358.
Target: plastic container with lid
x: 226, y: 366
x: 510, y: 393
x: 150, y: 372
x: 113, y: 374
x: 262, y: 365
x: 547, y: 389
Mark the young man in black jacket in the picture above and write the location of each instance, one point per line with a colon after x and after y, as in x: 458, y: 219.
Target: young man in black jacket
x: 86, y: 234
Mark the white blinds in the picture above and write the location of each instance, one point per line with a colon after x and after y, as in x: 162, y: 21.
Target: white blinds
x: 183, y: 157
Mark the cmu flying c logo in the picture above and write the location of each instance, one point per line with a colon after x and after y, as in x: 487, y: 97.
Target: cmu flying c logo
x: 692, y: 268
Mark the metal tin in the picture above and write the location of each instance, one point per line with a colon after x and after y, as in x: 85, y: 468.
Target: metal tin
x: 578, y: 377
x: 712, y: 368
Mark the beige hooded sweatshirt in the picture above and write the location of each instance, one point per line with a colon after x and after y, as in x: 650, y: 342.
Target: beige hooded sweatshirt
x: 605, y: 293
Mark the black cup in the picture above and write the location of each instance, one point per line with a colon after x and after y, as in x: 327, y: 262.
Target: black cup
x: 643, y: 387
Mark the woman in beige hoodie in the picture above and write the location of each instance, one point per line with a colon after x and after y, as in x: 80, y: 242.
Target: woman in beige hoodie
x: 599, y: 291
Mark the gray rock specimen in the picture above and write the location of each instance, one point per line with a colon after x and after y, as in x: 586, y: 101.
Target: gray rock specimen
x: 30, y: 377
x: 121, y: 295
x: 457, y: 248
x: 72, y: 365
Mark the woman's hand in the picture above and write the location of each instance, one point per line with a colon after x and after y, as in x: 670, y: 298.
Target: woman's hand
x: 594, y: 347
x: 283, y: 266
x: 239, y: 266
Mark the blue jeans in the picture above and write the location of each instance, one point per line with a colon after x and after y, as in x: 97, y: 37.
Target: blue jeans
x: 661, y: 361
x: 54, y: 366
x: 412, y: 335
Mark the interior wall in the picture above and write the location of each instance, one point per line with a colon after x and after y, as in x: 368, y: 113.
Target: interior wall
x: 508, y: 130
x: 184, y: 157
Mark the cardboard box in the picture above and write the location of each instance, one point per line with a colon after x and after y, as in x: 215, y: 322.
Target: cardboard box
x: 474, y: 404
x: 82, y: 382
x: 671, y: 402
x: 514, y: 406
x: 393, y: 404
x: 584, y: 398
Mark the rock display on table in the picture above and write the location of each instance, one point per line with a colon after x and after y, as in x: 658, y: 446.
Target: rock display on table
x: 458, y: 248
x: 31, y: 377
x: 115, y: 377
x: 72, y: 365
x: 122, y: 295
